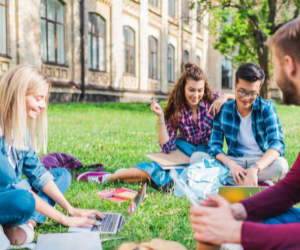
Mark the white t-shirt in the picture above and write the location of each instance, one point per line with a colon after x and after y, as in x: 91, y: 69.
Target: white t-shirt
x: 11, y: 157
x: 246, y: 142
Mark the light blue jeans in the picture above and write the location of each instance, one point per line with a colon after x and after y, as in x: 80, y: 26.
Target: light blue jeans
x: 161, y: 177
x: 62, y: 179
x: 18, y: 205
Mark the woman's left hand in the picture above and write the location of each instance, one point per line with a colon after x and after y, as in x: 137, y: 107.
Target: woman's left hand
x: 216, y: 106
x: 85, y: 213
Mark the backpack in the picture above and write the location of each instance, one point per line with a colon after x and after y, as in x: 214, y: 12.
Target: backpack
x: 60, y: 160
x: 203, y: 177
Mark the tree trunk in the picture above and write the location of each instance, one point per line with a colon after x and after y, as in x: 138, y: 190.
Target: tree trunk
x: 264, y: 64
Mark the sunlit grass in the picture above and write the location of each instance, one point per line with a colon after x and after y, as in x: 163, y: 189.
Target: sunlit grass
x: 119, y: 135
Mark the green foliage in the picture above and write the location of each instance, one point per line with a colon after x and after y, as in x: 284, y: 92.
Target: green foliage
x: 236, y: 39
x: 232, y: 37
x: 119, y: 135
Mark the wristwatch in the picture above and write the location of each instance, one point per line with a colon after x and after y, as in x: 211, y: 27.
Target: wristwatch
x: 257, y: 167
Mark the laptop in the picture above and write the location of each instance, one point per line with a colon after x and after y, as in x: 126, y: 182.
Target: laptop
x: 69, y: 241
x: 113, y: 222
x: 235, y: 194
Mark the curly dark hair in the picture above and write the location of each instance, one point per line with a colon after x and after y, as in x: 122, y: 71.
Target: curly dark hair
x: 177, y: 99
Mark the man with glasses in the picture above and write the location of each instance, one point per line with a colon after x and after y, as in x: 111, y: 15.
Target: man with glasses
x: 267, y: 220
x: 252, y: 132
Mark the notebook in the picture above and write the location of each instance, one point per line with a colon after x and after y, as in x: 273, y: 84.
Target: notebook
x: 69, y: 241
x: 174, y: 160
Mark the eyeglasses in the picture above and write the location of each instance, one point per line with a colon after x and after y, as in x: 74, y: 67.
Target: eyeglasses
x: 251, y: 95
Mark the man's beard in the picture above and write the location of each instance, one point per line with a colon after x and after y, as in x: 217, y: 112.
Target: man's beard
x: 290, y: 92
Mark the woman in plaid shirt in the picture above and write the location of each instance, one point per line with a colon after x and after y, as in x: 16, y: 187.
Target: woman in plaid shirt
x: 191, y: 108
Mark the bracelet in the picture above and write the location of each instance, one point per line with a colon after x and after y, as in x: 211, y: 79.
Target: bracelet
x: 161, y: 123
x: 227, y: 162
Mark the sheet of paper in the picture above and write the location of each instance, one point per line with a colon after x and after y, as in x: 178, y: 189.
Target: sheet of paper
x: 69, y: 241
x: 173, y: 167
x: 174, y: 158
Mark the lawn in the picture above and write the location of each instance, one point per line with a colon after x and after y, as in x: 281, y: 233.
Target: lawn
x: 118, y: 135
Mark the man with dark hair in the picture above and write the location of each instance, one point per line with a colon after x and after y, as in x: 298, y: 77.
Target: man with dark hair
x: 216, y: 221
x: 252, y: 131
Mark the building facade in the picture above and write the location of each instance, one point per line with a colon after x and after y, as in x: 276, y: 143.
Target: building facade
x: 110, y: 50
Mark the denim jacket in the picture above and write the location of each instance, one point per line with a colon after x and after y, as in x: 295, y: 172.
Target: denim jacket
x: 27, y: 163
x: 265, y: 126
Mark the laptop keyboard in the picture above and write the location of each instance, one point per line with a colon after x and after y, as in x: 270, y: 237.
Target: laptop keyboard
x: 107, y: 224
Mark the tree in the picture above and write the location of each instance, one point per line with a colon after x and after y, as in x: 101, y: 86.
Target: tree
x: 244, y: 37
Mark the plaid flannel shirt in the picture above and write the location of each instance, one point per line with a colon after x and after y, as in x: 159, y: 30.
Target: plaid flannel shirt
x: 195, y: 133
x: 265, y: 126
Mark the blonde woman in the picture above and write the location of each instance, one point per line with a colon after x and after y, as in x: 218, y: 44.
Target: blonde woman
x: 24, y: 92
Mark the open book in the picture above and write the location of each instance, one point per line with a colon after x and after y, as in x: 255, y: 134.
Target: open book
x: 117, y: 195
x: 174, y: 160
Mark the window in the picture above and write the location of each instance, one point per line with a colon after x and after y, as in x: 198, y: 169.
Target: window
x: 227, y: 21
x: 172, y: 8
x: 152, y: 57
x: 226, y: 74
x: 96, y: 42
x: 198, y: 17
x: 171, y: 64
x: 154, y: 2
x: 186, y: 12
x: 129, y: 45
x: 3, y: 45
x: 185, y: 56
x: 199, y: 61
x: 53, y: 31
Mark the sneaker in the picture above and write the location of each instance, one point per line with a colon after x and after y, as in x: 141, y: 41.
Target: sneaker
x: 4, y: 242
x: 20, y: 235
x: 94, y: 177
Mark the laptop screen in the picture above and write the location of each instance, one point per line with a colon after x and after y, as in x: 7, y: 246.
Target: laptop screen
x: 137, y: 199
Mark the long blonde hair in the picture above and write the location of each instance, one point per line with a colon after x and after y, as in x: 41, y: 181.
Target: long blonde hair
x: 16, y: 83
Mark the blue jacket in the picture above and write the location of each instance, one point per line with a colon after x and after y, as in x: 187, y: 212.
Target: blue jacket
x: 28, y: 163
x: 265, y: 126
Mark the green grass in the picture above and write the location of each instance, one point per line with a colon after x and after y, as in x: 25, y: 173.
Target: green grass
x: 119, y: 135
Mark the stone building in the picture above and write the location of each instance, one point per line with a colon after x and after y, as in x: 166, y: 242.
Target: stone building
x: 109, y: 50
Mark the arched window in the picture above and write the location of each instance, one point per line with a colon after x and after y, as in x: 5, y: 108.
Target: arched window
x: 3, y: 41
x: 96, y: 42
x: 198, y: 61
x: 152, y: 57
x: 185, y: 56
x: 226, y: 74
x: 53, y: 31
x: 171, y: 64
x: 129, y: 44
x: 172, y: 8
